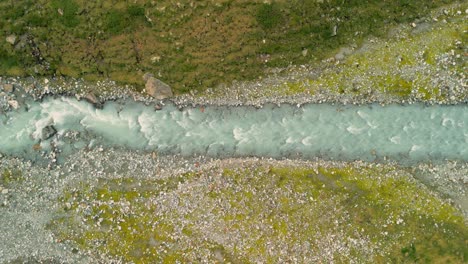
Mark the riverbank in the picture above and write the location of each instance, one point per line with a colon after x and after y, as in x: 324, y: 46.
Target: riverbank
x: 420, y: 62
x: 126, y: 206
x: 191, y: 45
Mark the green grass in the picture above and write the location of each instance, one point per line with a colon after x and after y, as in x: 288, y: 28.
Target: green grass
x: 70, y: 8
x: 269, y: 16
x: 380, y: 214
x: 199, y: 44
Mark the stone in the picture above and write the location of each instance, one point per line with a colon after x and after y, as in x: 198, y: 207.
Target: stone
x: 8, y: 87
x: 36, y: 147
x: 334, y: 31
x: 158, y: 107
x: 91, y: 98
x: 14, y: 104
x: 22, y: 42
x: 157, y: 89
x: 147, y: 75
x: 48, y: 132
x: 11, y: 39
x: 343, y: 53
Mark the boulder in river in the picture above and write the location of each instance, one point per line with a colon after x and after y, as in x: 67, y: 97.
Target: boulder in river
x: 48, y: 132
x: 91, y: 98
x: 156, y: 88
x: 14, y: 104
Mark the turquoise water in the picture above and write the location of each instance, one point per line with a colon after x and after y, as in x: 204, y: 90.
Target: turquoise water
x: 409, y: 133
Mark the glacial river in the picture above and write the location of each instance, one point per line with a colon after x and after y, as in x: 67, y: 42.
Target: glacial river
x: 402, y: 133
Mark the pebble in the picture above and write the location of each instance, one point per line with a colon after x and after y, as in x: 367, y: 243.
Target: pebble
x: 14, y: 104
x: 8, y: 87
x: 11, y: 39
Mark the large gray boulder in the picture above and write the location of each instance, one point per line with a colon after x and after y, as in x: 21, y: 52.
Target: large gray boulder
x: 48, y: 132
x: 156, y: 88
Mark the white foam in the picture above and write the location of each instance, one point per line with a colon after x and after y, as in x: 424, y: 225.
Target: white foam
x: 395, y: 140
x: 447, y: 122
x: 355, y: 130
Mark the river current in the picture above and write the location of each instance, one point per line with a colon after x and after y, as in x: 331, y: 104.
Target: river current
x: 402, y: 133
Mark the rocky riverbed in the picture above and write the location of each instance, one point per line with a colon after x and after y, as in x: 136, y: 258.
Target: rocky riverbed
x: 122, y: 206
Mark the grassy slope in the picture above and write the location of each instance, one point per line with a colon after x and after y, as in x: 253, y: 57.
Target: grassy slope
x: 429, y: 65
x: 189, y: 44
x: 366, y: 214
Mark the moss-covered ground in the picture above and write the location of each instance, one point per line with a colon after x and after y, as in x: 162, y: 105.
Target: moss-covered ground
x: 268, y: 214
x: 191, y: 45
x: 428, y: 65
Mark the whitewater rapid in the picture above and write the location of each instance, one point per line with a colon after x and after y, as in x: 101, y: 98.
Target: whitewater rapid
x: 403, y: 133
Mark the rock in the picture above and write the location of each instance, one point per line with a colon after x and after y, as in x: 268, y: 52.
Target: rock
x: 11, y: 39
x: 157, y: 88
x: 48, y: 132
x: 36, y: 147
x: 91, y: 98
x: 334, y: 31
x: 421, y: 28
x: 147, y: 75
x: 22, y: 42
x: 14, y: 104
x: 8, y: 87
x: 157, y: 107
x: 341, y: 55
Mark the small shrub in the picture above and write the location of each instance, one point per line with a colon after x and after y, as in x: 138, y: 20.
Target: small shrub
x: 13, y: 13
x: 7, y: 61
x: 115, y: 22
x: 268, y: 16
x: 136, y: 11
x: 409, y: 252
x: 36, y: 20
